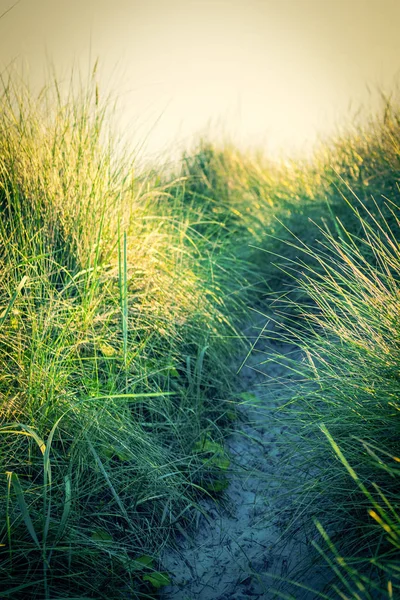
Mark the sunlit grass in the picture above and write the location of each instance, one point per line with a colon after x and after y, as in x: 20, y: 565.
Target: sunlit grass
x: 122, y: 296
x: 116, y: 323
x: 344, y: 314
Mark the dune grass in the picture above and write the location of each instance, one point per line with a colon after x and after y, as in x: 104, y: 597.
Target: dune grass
x: 118, y: 323
x: 322, y: 237
x: 122, y: 297
x: 343, y: 312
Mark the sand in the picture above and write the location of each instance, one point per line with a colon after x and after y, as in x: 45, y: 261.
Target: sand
x: 242, y: 550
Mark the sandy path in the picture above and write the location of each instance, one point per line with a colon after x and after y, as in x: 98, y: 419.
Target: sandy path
x: 235, y: 552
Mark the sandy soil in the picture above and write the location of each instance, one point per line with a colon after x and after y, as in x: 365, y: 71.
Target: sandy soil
x: 241, y: 550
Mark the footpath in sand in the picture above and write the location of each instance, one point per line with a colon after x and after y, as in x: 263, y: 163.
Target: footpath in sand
x: 241, y: 550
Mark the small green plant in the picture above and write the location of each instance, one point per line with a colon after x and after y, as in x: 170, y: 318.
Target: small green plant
x: 216, y: 459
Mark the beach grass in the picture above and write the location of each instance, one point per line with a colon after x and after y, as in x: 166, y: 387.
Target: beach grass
x: 343, y: 311
x: 123, y: 295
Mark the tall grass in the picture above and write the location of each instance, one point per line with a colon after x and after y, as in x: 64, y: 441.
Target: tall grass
x: 344, y: 315
x: 122, y: 298
x: 117, y: 320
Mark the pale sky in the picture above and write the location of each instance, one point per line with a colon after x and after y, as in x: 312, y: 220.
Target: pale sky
x: 275, y: 73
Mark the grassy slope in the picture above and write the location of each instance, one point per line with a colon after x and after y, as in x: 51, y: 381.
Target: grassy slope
x: 118, y: 313
x: 333, y: 282
x: 122, y: 295
x: 344, y: 313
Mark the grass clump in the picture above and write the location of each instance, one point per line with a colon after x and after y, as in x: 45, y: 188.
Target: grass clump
x: 117, y: 319
x: 344, y: 316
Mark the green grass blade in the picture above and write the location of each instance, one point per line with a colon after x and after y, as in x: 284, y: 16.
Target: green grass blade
x: 109, y: 483
x: 23, y: 506
x: 67, y: 506
x: 6, y: 311
x: 32, y: 433
x: 47, y: 480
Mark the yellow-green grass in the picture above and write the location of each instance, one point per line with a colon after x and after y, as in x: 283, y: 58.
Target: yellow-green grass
x: 118, y: 316
x: 344, y: 313
x: 122, y: 297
